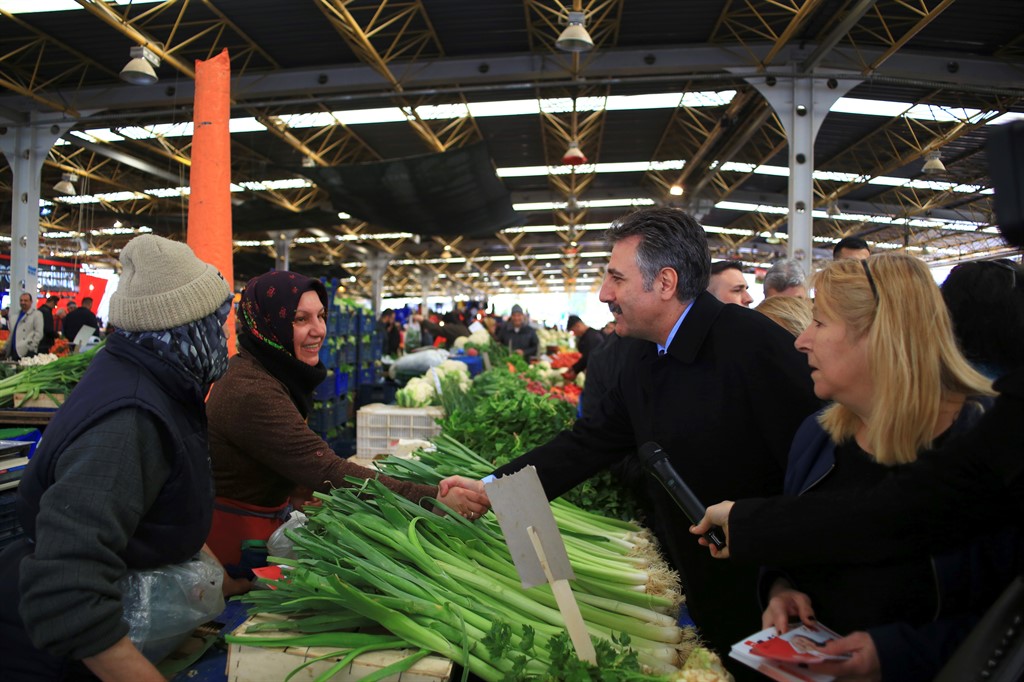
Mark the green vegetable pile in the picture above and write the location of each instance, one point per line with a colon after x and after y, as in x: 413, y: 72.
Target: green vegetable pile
x: 59, y: 376
x: 440, y: 584
x: 499, y: 417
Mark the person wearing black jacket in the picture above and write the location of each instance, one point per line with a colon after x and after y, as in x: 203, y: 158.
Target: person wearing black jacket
x: 122, y: 479
x: 692, y: 381
x: 49, y: 328
x: 587, y: 341
x: 81, y: 316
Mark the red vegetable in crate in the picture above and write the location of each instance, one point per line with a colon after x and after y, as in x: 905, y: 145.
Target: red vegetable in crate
x: 565, y: 359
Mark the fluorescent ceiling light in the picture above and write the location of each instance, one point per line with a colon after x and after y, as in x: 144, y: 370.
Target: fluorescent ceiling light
x: 39, y: 6
x: 597, y: 203
x: 920, y: 112
x: 97, y: 135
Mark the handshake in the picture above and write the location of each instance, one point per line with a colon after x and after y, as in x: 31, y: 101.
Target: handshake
x: 464, y: 495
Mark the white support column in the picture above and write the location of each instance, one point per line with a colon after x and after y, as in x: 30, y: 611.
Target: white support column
x: 801, y: 103
x: 25, y: 147
x: 426, y: 282
x: 283, y: 248
x: 377, y: 265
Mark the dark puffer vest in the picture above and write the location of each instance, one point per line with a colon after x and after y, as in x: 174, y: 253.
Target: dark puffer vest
x: 125, y: 375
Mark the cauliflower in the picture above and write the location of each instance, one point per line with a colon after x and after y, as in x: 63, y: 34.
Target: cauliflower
x: 40, y: 359
x: 453, y: 366
x: 479, y: 338
x: 419, y: 392
x: 460, y: 343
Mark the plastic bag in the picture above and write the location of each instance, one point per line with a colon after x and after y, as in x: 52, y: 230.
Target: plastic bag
x: 280, y: 544
x: 162, y: 606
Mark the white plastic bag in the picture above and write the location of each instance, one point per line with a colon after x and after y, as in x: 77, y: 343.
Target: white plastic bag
x: 162, y: 606
x: 280, y: 544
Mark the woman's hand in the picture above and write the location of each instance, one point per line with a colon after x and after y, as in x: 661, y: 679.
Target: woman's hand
x: 863, y: 665
x: 464, y: 495
x: 786, y: 603
x: 715, y: 515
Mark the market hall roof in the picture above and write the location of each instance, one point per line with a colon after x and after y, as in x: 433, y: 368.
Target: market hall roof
x: 666, y: 96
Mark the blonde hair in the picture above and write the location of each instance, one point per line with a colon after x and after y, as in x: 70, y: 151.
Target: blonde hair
x: 789, y: 312
x: 913, y: 357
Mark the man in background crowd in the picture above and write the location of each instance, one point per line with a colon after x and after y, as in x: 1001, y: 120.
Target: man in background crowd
x: 518, y: 336
x: 26, y: 332
x: 851, y: 247
x: 728, y: 284
x: 49, y: 329
x: 79, y: 317
x: 587, y: 341
x: 785, y: 278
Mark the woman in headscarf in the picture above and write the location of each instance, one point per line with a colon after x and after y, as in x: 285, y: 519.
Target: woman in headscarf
x: 122, y: 480
x: 261, y: 447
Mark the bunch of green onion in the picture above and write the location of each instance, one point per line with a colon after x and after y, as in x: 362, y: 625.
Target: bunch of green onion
x: 440, y: 584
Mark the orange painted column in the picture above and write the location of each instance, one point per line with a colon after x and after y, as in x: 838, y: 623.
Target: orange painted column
x: 209, y: 206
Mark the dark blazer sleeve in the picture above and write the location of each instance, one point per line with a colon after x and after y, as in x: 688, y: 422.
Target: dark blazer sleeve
x: 935, y: 503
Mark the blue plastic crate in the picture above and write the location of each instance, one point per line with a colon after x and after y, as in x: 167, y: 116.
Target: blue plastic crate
x: 347, y: 354
x: 342, y: 380
x: 328, y: 356
x: 343, y: 325
x: 327, y: 390
x: 341, y: 410
x: 322, y: 420
x: 474, y: 363
x: 366, y: 375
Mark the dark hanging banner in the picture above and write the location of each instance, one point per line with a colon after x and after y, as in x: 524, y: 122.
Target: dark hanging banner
x: 452, y: 193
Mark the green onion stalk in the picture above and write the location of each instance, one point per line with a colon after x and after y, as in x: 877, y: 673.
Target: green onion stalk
x: 614, y: 556
x: 440, y: 584
x: 57, y: 377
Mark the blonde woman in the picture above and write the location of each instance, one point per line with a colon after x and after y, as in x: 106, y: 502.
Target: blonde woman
x: 881, y: 348
x: 789, y: 312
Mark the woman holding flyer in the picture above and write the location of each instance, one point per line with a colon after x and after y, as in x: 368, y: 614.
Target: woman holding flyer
x: 881, y: 348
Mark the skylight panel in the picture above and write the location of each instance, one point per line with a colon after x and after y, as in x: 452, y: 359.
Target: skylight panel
x: 245, y: 124
x: 520, y: 107
x: 39, y: 6
x: 97, y: 135
x: 314, y: 119
x: 363, y: 116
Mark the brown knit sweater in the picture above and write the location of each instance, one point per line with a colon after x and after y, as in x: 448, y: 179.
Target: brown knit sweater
x: 261, y: 448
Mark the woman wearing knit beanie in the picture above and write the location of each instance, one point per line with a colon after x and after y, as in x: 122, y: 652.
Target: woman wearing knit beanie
x: 261, y: 448
x: 121, y: 481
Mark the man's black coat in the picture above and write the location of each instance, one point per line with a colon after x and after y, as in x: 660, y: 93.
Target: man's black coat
x: 723, y: 403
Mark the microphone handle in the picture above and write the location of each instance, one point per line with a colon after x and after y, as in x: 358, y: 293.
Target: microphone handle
x: 684, y: 497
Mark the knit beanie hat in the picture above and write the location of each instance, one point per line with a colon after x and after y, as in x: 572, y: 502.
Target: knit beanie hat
x: 164, y: 285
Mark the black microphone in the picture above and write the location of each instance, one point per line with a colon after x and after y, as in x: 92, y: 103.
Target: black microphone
x: 655, y: 461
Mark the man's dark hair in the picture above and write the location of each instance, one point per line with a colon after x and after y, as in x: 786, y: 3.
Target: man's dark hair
x: 986, y: 304
x: 571, y: 322
x: 669, y: 238
x: 53, y: 300
x: 718, y: 267
x: 87, y: 301
x: 852, y: 243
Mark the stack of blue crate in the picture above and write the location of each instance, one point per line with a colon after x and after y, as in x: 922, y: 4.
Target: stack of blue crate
x: 330, y: 418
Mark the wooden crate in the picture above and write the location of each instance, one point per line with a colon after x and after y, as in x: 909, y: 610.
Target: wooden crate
x: 265, y: 664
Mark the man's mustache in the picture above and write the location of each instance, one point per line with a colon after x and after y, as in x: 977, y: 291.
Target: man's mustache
x: 616, y: 310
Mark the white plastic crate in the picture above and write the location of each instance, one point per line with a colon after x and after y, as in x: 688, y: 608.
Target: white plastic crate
x: 378, y: 426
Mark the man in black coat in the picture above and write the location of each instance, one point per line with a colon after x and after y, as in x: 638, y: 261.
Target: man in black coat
x: 78, y: 318
x: 587, y: 341
x: 695, y: 385
x: 49, y: 327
